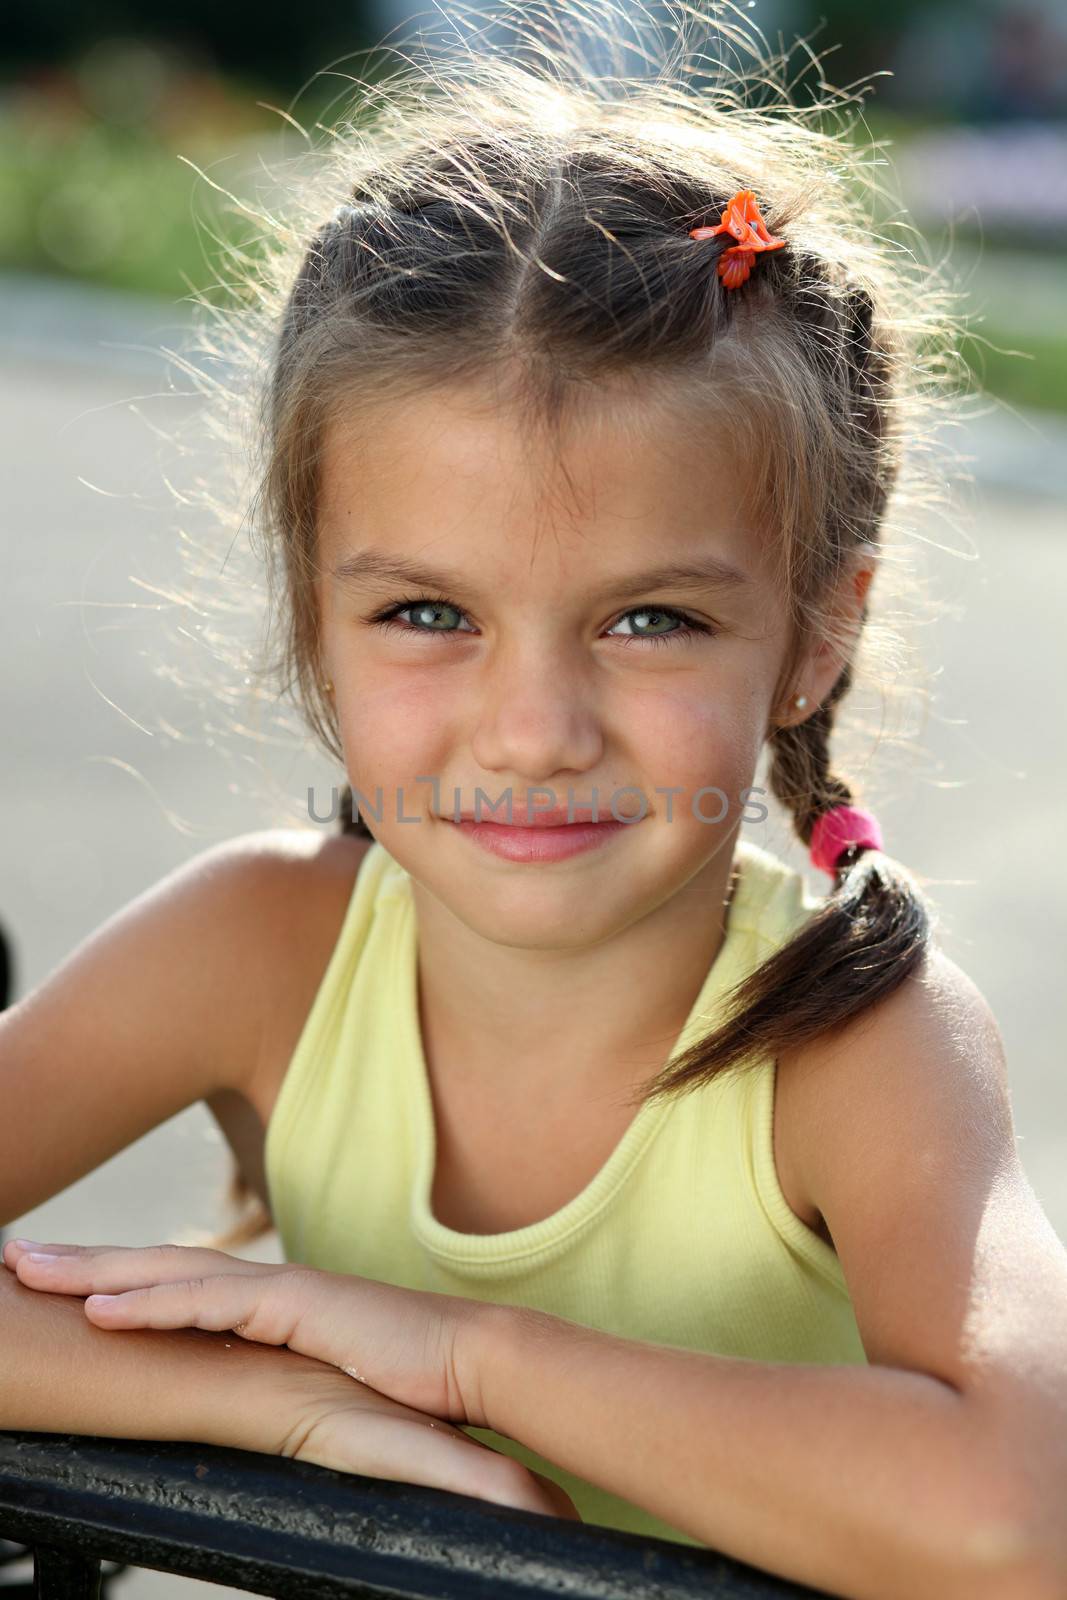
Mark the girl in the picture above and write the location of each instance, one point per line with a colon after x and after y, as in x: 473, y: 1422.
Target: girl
x: 592, y: 1135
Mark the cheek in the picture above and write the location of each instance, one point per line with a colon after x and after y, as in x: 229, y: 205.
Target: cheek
x: 407, y: 725
x: 691, y: 734
x: 395, y: 731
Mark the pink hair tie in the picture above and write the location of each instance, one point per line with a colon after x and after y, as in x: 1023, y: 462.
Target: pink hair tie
x: 839, y: 828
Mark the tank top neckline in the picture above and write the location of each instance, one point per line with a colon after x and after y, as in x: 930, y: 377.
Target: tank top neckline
x: 550, y: 1235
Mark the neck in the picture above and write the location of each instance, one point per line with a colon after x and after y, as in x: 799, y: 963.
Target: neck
x: 583, y: 1021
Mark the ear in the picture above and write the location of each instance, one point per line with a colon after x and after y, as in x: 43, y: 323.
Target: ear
x: 844, y: 622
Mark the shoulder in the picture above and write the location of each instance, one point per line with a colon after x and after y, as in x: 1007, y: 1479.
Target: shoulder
x: 927, y: 1059
x: 245, y: 919
x: 273, y: 860
x: 935, y: 1027
x: 293, y: 888
x: 267, y: 884
x: 164, y: 1004
x: 901, y: 1132
x: 288, y: 882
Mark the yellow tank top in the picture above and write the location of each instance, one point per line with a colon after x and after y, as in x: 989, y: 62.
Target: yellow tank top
x: 683, y: 1237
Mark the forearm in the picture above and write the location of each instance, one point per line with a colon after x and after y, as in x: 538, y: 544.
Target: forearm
x: 60, y: 1374
x: 865, y: 1481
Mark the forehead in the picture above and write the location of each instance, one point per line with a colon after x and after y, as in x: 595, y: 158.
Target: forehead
x: 450, y: 470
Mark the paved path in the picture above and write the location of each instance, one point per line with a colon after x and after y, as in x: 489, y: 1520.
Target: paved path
x: 93, y: 809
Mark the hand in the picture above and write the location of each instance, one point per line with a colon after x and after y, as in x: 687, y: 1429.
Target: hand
x: 412, y: 1345
x: 323, y: 1417
x: 359, y: 1430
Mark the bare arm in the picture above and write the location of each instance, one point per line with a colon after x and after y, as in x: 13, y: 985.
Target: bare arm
x: 60, y: 1374
x: 159, y: 984
x: 937, y: 1469
x: 150, y: 985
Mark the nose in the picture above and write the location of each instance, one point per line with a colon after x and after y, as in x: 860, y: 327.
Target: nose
x: 536, y: 717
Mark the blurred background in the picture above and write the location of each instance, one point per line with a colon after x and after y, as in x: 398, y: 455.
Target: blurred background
x: 117, y: 122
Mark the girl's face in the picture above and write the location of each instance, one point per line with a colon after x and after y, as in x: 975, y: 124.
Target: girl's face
x: 537, y: 659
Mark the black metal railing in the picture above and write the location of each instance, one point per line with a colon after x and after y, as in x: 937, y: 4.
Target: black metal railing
x: 273, y: 1526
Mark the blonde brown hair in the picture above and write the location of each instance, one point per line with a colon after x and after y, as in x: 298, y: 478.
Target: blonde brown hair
x: 497, y: 216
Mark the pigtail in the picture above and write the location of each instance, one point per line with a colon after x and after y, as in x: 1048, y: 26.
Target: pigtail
x: 869, y: 935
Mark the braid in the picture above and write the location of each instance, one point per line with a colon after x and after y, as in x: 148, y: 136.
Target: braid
x: 800, y: 768
x: 871, y: 932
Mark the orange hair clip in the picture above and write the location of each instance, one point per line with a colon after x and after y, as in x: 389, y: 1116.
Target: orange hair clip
x: 741, y: 218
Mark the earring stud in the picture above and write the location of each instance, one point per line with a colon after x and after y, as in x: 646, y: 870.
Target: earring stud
x: 328, y: 685
x: 800, y: 701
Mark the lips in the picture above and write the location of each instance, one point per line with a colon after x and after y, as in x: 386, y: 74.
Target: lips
x: 519, y: 818
x: 558, y: 817
x: 539, y: 845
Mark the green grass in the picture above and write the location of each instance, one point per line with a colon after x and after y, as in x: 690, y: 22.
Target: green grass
x: 1036, y: 378
x: 114, y: 206
x: 98, y: 208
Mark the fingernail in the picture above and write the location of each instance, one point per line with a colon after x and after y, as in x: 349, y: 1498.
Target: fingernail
x: 100, y: 1299
x: 42, y: 1255
x: 24, y: 1244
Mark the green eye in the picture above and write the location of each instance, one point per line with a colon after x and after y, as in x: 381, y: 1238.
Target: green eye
x: 660, y: 615
x: 420, y: 604
x: 435, y: 607
x: 390, y: 618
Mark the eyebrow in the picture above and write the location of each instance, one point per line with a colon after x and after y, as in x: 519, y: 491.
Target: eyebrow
x: 705, y: 572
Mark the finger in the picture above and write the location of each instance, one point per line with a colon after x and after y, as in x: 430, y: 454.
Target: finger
x: 414, y: 1450
x: 110, y: 1270
x: 249, y: 1306
x: 15, y: 1249
x: 58, y: 1273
